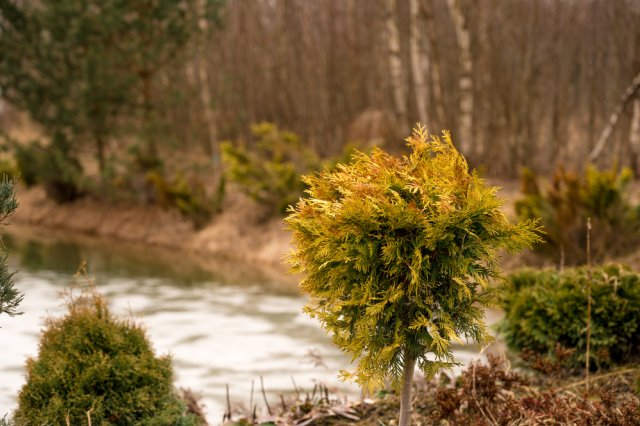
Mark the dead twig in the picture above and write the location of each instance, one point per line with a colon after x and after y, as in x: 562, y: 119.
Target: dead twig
x: 598, y: 378
x: 264, y: 396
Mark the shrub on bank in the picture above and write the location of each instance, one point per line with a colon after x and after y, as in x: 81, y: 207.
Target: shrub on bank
x: 92, y: 364
x: 544, y: 308
x: 54, y: 166
x: 564, y: 206
x: 270, y: 172
x: 189, y: 197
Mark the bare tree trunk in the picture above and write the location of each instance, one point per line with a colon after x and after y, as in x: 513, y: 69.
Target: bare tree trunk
x: 398, y: 77
x: 203, y: 81
x: 482, y: 109
x: 557, y: 129
x: 634, y: 136
x: 407, y: 384
x: 151, y: 148
x: 99, y: 139
x: 419, y: 63
x: 615, y: 116
x: 465, y: 82
x: 436, y: 76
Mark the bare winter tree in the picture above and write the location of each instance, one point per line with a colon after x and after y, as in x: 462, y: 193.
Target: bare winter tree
x: 465, y: 79
x: 521, y: 82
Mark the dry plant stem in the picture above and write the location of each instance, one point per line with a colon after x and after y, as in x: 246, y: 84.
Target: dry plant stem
x: 589, y: 277
x: 295, y: 387
x: 598, y: 378
x: 407, y: 382
x: 227, y: 415
x: 264, y: 396
x: 251, y: 400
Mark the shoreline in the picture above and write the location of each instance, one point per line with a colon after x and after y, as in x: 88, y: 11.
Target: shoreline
x: 235, y: 235
x: 241, y: 233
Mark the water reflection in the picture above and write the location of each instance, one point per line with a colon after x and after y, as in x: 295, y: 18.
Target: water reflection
x: 35, y: 249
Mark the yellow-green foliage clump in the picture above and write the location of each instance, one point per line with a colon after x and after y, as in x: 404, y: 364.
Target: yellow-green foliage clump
x: 567, y: 203
x: 398, y: 255
x: 188, y: 196
x: 270, y: 171
x: 91, y: 362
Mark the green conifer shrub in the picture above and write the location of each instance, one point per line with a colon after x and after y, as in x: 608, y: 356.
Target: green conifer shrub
x: 27, y: 162
x: 10, y: 297
x: 54, y: 166
x: 567, y: 203
x: 188, y: 196
x: 544, y: 308
x: 8, y: 167
x: 91, y: 361
x: 398, y: 258
x: 270, y: 171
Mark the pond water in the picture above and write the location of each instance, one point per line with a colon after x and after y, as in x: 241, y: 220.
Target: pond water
x: 224, y: 323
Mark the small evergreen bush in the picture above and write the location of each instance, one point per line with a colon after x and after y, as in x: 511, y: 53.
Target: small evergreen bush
x: 567, y: 203
x: 92, y: 362
x: 398, y: 256
x: 270, y: 172
x: 8, y: 168
x: 27, y: 163
x: 54, y: 166
x: 544, y: 308
x: 10, y: 297
x: 188, y: 196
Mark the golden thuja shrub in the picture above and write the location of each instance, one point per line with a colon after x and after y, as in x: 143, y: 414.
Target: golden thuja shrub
x: 398, y: 256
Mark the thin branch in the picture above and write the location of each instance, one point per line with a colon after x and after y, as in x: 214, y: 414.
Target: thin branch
x: 264, y: 396
x: 615, y: 116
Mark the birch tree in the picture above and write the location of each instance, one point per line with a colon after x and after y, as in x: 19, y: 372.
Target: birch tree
x: 396, y: 70
x: 465, y: 80
x: 419, y: 62
x: 634, y: 136
x: 626, y: 97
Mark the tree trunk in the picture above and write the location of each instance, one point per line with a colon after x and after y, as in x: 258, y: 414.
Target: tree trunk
x: 634, y: 137
x: 436, y: 79
x: 419, y: 63
x: 615, y: 116
x: 151, y: 147
x: 398, y: 78
x: 407, y: 384
x: 99, y: 138
x: 465, y: 82
x: 204, y: 88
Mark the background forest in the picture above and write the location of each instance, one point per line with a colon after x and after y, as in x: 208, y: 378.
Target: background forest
x: 520, y: 83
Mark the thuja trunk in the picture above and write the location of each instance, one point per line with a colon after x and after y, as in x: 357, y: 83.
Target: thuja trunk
x: 407, y: 385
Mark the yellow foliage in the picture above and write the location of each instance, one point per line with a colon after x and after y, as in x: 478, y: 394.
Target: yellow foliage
x: 397, y: 254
